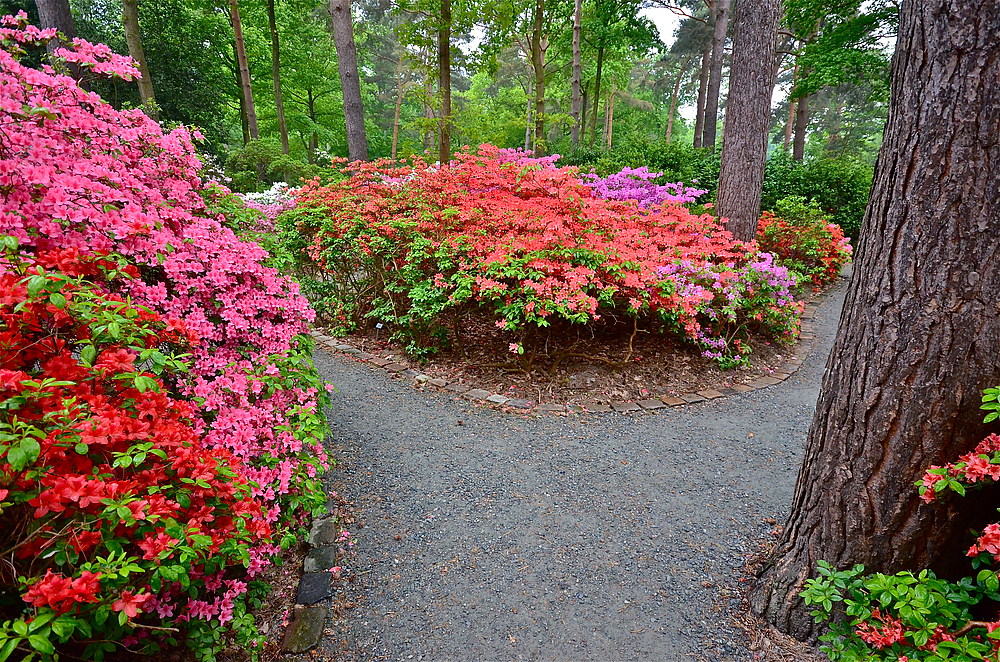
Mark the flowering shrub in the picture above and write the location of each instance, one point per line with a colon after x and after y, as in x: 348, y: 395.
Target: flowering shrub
x: 78, y: 175
x: 270, y: 204
x: 907, y: 617
x: 638, y: 184
x: 421, y: 247
x: 804, y: 241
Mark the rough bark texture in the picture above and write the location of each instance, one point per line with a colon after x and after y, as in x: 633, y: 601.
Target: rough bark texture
x: 539, y: 44
x: 577, y: 107
x: 801, y: 128
x: 246, y: 89
x: 130, y: 21
x: 56, y: 14
x: 444, y: 82
x: 715, y: 74
x: 597, y: 96
x: 920, y: 333
x: 279, y: 103
x: 699, y: 116
x: 748, y: 116
x: 350, y: 84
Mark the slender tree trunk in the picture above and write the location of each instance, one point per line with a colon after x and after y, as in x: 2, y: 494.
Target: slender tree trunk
x: 529, y: 115
x: 538, y: 47
x: 133, y: 38
x: 699, y: 117
x: 801, y: 127
x: 244, y: 123
x: 597, y: 95
x: 350, y: 83
x: 715, y: 74
x: 583, y: 114
x: 444, y: 82
x: 313, y: 138
x: 748, y: 117
x: 920, y: 333
x: 673, y: 98
x: 279, y: 103
x: 609, y: 120
x: 789, y: 124
x: 241, y: 61
x: 400, y: 81
x: 577, y: 108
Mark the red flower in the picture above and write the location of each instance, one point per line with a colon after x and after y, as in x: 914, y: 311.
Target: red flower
x: 130, y: 603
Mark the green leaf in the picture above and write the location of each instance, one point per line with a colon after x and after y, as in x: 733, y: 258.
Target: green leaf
x: 41, y: 644
x: 88, y: 354
x: 58, y: 299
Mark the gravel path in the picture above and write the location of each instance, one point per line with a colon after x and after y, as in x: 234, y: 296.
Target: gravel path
x: 492, y: 536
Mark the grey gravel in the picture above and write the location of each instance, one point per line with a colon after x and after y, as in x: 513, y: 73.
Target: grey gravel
x: 558, y: 537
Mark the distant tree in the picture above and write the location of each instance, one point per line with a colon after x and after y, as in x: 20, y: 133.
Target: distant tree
x: 133, y: 37
x: 347, y: 67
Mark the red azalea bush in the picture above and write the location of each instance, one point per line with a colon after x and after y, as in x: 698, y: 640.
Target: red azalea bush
x: 77, y: 175
x: 421, y: 247
x: 917, y: 616
x: 119, y: 519
x: 801, y: 237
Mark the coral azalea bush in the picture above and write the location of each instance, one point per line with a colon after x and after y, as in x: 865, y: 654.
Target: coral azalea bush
x: 918, y: 616
x: 123, y: 465
x: 528, y: 245
x: 804, y: 240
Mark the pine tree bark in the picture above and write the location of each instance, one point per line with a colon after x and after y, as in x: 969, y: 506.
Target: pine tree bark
x: 444, y: 82
x: 577, y: 107
x: 538, y: 47
x: 748, y: 116
x: 350, y: 83
x: 597, y: 96
x: 801, y: 128
x: 715, y: 74
x: 920, y: 332
x: 133, y: 38
x: 246, y: 90
x: 699, y: 116
x: 279, y: 103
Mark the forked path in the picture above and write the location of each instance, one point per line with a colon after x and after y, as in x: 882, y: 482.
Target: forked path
x: 491, y: 536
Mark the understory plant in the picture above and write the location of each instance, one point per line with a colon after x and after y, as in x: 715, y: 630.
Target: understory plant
x: 82, y: 183
x: 802, y: 238
x: 530, y: 248
x: 913, y: 616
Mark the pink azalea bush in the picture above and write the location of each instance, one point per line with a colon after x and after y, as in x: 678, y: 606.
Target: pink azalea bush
x: 77, y: 174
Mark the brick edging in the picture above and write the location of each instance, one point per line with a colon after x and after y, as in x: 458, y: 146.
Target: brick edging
x: 807, y: 339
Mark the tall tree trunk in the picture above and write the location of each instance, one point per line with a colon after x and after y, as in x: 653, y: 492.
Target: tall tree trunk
x: 715, y: 74
x: 789, y: 125
x: 241, y: 61
x: 577, y: 107
x: 748, y: 117
x: 583, y: 114
x: 279, y: 104
x: 528, y: 115
x: 801, y: 127
x: 444, y: 82
x: 538, y: 47
x: 313, y: 138
x: 920, y: 334
x: 350, y: 84
x: 673, y: 98
x: 400, y: 80
x: 699, y: 116
x: 609, y: 120
x: 56, y: 14
x: 130, y: 21
x: 597, y: 95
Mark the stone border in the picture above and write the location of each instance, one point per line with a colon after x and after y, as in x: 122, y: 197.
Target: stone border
x: 807, y: 338
x: 305, y: 626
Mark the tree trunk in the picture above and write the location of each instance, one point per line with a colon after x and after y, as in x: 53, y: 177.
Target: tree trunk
x: 577, y: 107
x: 313, y: 138
x: 748, y: 117
x: 130, y: 21
x: 673, y: 98
x: 699, y: 116
x: 715, y: 74
x: 801, y: 127
x: 583, y: 114
x: 241, y: 60
x: 350, y: 84
x: 528, y: 115
x: 920, y: 333
x: 279, y: 103
x: 609, y: 120
x: 56, y: 14
x: 400, y: 80
x: 597, y: 95
x: 538, y: 48
x: 444, y: 82
x: 789, y: 124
